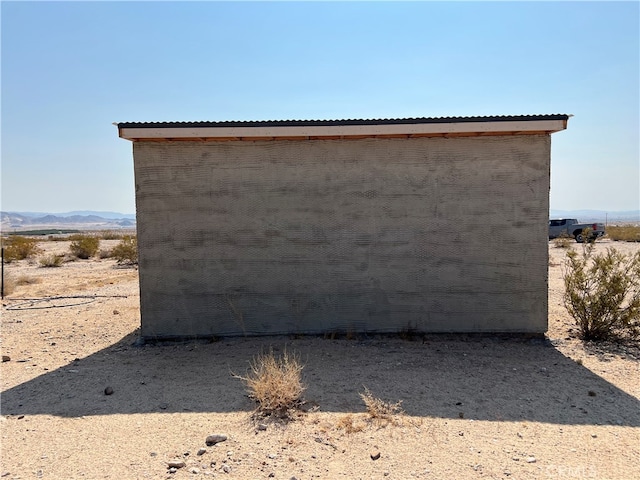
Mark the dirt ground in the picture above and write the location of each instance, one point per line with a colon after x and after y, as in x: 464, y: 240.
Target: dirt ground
x: 475, y: 407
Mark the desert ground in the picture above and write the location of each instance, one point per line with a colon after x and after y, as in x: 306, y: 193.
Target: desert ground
x: 474, y: 406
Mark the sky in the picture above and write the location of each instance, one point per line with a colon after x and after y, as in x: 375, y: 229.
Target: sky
x: 71, y: 69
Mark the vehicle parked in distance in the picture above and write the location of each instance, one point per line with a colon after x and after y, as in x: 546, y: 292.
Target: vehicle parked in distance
x: 569, y: 227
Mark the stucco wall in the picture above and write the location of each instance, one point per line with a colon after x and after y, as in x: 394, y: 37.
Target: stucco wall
x: 385, y: 235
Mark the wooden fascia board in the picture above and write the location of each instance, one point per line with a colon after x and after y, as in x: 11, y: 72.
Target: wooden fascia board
x: 341, y: 131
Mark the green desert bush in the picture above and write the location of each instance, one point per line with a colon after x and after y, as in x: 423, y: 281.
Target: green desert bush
x: 126, y: 252
x: 275, y: 383
x: 602, y: 293
x: 84, y: 246
x: 17, y: 247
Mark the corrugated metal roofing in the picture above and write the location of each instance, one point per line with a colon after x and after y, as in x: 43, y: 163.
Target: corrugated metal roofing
x: 320, y: 123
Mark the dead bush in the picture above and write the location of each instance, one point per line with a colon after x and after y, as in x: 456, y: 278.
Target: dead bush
x: 379, y: 409
x: 350, y: 424
x: 275, y: 383
x: 11, y: 282
x: 50, y: 261
x: 602, y: 293
x: 563, y: 241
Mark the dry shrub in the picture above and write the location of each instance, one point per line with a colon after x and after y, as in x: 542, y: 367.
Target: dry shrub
x: 17, y: 247
x: 563, y: 241
x: 126, y: 252
x: 84, y: 246
x: 110, y: 235
x: 379, y: 409
x: 602, y: 293
x: 624, y: 233
x: 50, y: 261
x: 275, y: 383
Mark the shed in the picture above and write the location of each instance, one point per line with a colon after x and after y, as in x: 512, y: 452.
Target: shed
x: 274, y: 227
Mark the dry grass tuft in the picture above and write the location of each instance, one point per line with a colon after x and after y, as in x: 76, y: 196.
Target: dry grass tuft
x: 27, y: 280
x: 350, y: 424
x: 51, y: 261
x: 275, y: 382
x: 11, y: 282
x: 379, y: 409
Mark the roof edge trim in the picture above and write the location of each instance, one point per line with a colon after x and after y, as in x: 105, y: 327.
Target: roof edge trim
x: 521, y: 125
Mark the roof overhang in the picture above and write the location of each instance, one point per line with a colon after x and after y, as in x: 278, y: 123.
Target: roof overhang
x: 339, y: 129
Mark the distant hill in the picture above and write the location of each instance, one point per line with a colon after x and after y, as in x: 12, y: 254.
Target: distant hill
x: 629, y: 216
x: 87, y: 220
x: 97, y: 213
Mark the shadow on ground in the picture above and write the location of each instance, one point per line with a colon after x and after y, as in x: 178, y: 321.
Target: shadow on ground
x: 448, y: 376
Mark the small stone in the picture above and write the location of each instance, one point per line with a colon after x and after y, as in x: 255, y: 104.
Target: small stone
x: 173, y: 470
x: 272, y: 456
x: 592, y: 393
x: 262, y: 427
x: 194, y: 470
x: 202, y: 451
x: 163, y: 406
x: 461, y: 414
x: 386, y: 474
x: 213, y: 439
x: 226, y: 468
x: 6, y: 358
x: 176, y: 464
x: 593, y: 435
x: 108, y: 391
x: 116, y: 312
x: 271, y: 475
x: 375, y: 455
x: 531, y: 459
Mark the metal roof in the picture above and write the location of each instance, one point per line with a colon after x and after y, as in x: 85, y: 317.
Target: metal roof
x: 323, y: 123
x: 342, y: 129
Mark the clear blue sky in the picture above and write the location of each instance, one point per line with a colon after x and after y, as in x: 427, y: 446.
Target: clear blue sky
x: 71, y: 69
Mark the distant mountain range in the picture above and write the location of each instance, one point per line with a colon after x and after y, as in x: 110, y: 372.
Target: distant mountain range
x: 89, y: 219
x: 628, y: 216
x: 85, y: 219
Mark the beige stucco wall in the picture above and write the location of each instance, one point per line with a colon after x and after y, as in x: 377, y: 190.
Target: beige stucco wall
x: 383, y: 235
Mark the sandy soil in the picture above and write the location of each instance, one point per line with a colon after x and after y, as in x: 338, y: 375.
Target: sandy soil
x: 475, y: 407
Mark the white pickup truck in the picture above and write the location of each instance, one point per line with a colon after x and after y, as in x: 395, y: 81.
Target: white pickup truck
x: 571, y: 228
